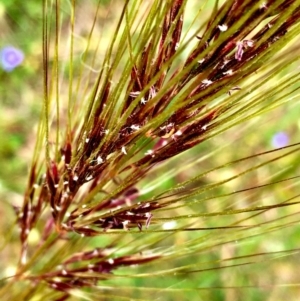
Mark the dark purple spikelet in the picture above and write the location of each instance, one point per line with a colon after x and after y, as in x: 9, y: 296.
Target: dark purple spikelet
x: 68, y: 275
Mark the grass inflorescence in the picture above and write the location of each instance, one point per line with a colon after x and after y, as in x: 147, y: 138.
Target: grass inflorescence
x: 137, y: 185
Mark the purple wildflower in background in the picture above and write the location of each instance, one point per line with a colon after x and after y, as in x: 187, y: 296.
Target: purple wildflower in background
x: 280, y: 139
x: 10, y: 58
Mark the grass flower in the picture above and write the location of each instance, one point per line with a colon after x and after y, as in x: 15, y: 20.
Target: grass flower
x: 126, y: 203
